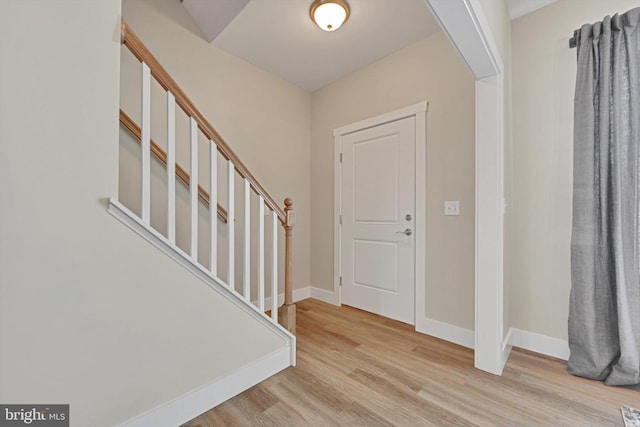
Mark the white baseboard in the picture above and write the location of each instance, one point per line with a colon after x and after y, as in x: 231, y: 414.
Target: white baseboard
x: 506, y: 348
x: 298, y: 295
x: 447, y: 332
x: 200, y: 400
x: 329, y: 297
x: 532, y: 341
x: 538, y: 343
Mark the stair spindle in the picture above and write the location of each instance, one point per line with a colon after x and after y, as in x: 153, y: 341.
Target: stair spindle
x: 171, y: 167
x: 145, y: 144
x: 193, y: 188
x: 231, y: 272
x: 261, y: 253
x: 246, y: 261
x: 213, y: 203
x: 274, y: 266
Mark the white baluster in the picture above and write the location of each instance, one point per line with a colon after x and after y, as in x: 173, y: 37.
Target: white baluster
x: 230, y: 224
x: 274, y: 267
x: 171, y: 167
x: 145, y: 144
x: 246, y: 262
x: 213, y: 207
x: 261, y: 253
x: 193, y: 188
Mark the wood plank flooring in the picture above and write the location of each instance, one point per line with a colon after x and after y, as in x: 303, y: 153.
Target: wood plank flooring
x: 356, y: 368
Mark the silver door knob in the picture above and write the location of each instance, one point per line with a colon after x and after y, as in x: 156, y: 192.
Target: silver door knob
x: 407, y: 231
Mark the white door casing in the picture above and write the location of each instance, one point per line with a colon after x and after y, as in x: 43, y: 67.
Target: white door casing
x: 378, y: 210
x: 418, y: 112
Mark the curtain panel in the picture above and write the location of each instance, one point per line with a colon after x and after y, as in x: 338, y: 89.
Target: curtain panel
x: 604, y: 315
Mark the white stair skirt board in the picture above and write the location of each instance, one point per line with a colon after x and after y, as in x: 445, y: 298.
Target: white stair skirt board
x: 132, y: 221
x: 298, y: 295
x: 538, y: 343
x: 200, y: 400
x: 446, y: 331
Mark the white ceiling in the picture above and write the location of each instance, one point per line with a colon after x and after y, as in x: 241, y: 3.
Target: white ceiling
x: 279, y: 36
x: 518, y: 8
x: 213, y: 16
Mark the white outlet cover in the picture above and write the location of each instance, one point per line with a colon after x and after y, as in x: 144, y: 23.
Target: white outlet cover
x: 452, y: 207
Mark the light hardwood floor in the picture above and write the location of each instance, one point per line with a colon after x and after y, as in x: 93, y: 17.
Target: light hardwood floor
x: 356, y: 368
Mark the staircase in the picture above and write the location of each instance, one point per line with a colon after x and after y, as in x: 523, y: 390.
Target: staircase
x: 245, y: 280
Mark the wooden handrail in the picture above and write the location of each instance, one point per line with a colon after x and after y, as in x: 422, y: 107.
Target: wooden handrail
x: 133, y: 127
x: 140, y: 51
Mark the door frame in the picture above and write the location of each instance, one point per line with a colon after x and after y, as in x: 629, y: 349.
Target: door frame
x: 419, y: 112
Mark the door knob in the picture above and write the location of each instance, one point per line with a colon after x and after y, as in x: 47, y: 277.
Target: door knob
x: 407, y: 231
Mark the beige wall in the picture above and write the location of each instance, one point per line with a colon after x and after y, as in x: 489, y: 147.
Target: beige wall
x: 497, y: 14
x: 264, y: 119
x: 544, y: 70
x: 90, y: 314
x: 427, y: 70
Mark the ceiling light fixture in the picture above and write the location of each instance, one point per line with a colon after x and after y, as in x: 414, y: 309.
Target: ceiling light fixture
x: 329, y: 14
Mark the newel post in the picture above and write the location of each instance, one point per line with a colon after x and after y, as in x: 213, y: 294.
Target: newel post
x: 288, y: 310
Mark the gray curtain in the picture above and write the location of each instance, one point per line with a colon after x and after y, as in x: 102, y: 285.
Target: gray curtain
x: 604, y: 316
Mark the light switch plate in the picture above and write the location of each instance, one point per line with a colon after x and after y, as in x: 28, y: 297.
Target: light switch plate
x: 452, y: 207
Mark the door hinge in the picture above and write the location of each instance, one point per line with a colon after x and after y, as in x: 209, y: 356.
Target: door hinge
x: 340, y: 157
x: 340, y: 280
x: 340, y: 219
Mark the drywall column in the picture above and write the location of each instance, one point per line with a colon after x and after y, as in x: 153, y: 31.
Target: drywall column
x: 489, y: 224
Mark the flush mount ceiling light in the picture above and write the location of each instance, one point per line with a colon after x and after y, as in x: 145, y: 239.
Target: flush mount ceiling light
x: 329, y: 14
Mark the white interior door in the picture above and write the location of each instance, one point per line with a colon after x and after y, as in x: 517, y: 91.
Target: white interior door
x: 378, y: 211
